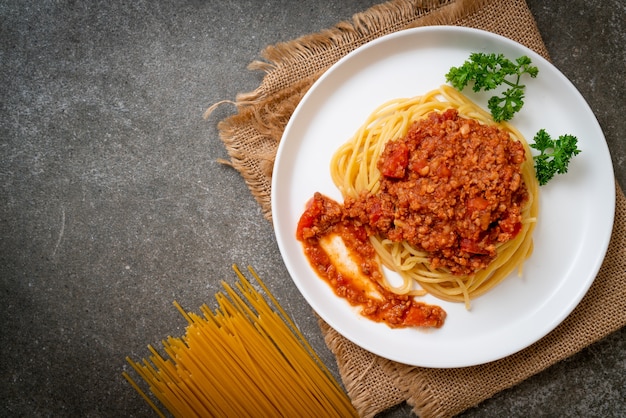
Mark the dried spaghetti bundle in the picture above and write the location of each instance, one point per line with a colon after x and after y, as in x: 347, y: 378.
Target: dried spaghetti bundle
x: 243, y: 359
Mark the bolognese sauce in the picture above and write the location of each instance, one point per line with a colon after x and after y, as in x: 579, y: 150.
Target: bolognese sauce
x: 340, y: 252
x: 451, y: 187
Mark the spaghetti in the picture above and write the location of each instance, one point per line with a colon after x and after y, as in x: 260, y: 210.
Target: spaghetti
x: 356, y: 172
x: 243, y: 359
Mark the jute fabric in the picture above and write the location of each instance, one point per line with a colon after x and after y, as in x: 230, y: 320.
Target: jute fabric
x: 252, y: 135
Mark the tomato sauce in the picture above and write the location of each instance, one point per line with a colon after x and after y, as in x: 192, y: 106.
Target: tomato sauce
x: 357, y: 278
x: 451, y: 187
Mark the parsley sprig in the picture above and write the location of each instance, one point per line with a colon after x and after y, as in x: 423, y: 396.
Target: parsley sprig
x: 488, y: 71
x: 555, y: 154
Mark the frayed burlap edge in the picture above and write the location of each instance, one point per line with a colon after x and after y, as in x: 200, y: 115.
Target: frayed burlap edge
x: 319, y: 51
x: 365, y: 397
x: 252, y: 137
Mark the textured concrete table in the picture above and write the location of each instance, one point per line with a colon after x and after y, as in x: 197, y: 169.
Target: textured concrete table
x: 113, y: 204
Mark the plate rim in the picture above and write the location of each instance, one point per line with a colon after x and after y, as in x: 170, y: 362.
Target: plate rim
x: 302, y: 104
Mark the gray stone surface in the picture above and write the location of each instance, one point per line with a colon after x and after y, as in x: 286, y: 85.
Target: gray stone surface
x: 113, y: 204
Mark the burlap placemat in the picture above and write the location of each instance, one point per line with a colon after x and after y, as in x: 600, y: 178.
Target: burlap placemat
x: 252, y: 135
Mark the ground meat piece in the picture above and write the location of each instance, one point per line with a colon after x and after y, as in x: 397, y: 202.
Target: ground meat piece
x: 320, y: 215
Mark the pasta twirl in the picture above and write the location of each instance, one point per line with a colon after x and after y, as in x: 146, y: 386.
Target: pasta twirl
x: 354, y: 171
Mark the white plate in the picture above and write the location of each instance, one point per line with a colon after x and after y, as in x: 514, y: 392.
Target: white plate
x: 576, y: 212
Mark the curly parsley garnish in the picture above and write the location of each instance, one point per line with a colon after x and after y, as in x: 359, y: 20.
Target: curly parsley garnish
x: 488, y: 71
x: 555, y: 154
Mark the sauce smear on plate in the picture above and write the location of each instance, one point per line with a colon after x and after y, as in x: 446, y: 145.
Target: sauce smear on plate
x: 340, y: 253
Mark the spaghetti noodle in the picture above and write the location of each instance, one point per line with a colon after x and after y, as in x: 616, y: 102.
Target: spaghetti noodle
x: 243, y: 359
x: 355, y: 171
